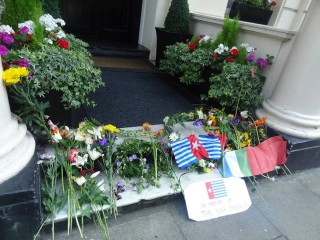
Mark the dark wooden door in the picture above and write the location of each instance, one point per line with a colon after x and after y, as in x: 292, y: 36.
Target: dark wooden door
x: 111, y: 20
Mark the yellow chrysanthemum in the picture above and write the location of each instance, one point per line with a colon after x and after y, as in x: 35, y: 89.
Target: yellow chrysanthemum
x: 110, y: 128
x: 13, y: 75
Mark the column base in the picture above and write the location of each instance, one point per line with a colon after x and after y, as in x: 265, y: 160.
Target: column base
x: 289, y: 122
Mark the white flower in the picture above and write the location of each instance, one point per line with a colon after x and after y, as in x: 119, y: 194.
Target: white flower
x: 96, y: 132
x: 202, y: 163
x: 101, y: 186
x: 29, y: 24
x: 80, y: 161
x: 244, y: 114
x: 94, y: 174
x: 247, y: 47
x: 60, y: 21
x: 174, y: 136
x: 80, y: 180
x: 88, y: 139
x: 6, y: 29
x: 79, y: 136
x: 48, y: 22
x: 205, y: 39
x: 48, y: 40
x: 221, y: 48
x: 209, y: 122
x: 211, y: 165
x: 200, y: 114
x: 56, y: 137
x: 94, y: 154
x: 61, y: 34
x: 165, y: 120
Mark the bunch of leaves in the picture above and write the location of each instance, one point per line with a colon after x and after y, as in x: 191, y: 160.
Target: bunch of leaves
x: 68, y: 71
x: 229, y: 33
x: 239, y: 86
x: 178, y: 16
x: 17, y: 11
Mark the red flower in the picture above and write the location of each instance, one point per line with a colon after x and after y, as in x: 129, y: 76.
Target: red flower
x: 192, y: 46
x: 273, y: 3
x: 63, y: 43
x: 230, y: 59
x: 215, y: 56
x: 198, y: 40
x: 234, y: 51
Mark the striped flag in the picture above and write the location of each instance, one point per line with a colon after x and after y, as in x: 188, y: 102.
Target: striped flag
x: 216, y: 189
x: 212, y: 145
x: 253, y: 161
x: 188, y: 151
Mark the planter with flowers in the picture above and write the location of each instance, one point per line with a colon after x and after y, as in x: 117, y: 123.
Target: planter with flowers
x: 229, y: 76
x: 60, y: 66
x: 255, y: 11
x: 176, y: 27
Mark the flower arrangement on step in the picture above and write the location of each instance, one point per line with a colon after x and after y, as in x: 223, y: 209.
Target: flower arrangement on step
x: 231, y: 75
x: 237, y: 144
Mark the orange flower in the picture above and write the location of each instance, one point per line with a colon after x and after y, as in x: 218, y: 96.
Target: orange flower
x: 159, y: 132
x: 63, y: 133
x: 217, y: 132
x: 260, y: 122
x: 146, y: 127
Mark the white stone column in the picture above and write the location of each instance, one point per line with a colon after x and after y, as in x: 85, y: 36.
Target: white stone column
x: 17, y: 145
x: 294, y: 108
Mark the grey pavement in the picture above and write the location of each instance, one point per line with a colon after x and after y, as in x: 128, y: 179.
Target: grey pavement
x: 289, y: 210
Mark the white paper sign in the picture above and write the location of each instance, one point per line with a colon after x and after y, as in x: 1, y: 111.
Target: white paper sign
x: 215, y: 198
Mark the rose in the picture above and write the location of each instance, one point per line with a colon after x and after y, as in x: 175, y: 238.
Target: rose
x: 230, y: 59
x: 192, y: 46
x: 63, y: 43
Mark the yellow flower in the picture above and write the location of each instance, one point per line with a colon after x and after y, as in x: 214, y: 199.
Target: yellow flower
x: 13, y: 75
x: 208, y: 170
x: 110, y: 128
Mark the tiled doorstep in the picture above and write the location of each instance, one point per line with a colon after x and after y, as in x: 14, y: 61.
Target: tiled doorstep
x: 130, y: 197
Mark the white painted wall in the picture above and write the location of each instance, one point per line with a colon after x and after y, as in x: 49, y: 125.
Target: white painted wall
x: 208, y: 7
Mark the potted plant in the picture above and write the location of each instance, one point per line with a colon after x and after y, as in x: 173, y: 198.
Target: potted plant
x: 255, y: 11
x: 176, y: 27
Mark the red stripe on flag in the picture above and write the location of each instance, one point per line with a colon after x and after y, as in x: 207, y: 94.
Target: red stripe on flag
x: 196, y: 148
x: 209, y: 190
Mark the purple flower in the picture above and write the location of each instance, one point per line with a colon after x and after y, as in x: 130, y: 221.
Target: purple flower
x: 202, y: 35
x: 234, y: 121
x: 145, y: 170
x: 24, y: 30
x: 117, y: 172
x: 3, y: 51
x: 263, y: 63
x: 118, y: 163
x: 6, y: 38
x: 250, y: 57
x: 130, y: 159
x: 103, y: 142
x: 144, y: 159
x: 198, y: 123
x: 22, y: 63
x: 120, y: 183
x: 134, y: 188
x: 134, y: 156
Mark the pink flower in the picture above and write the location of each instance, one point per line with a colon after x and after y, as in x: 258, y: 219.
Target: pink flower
x: 72, y: 155
x: 3, y: 51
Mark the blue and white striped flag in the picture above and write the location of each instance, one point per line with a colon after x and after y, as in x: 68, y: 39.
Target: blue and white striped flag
x: 183, y: 154
x: 212, y: 145
x: 216, y: 189
x: 189, y: 150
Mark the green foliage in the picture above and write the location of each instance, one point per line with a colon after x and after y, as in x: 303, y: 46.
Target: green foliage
x: 229, y: 33
x: 68, y: 71
x: 17, y: 11
x: 177, y: 19
x: 52, y: 7
x: 236, y: 87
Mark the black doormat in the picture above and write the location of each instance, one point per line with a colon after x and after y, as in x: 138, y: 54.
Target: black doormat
x: 130, y: 98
